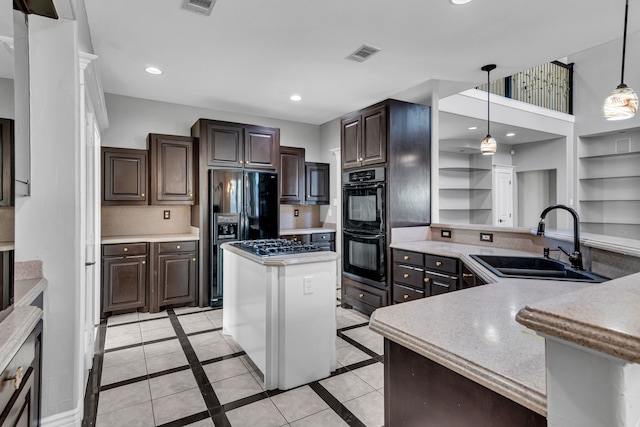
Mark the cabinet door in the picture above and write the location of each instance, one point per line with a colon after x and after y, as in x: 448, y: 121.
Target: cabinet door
x: 6, y: 162
x: 292, y: 175
x: 317, y: 183
x: 124, y: 283
x: 261, y: 148
x: 374, y: 136
x: 224, y: 145
x: 350, y: 137
x: 176, y: 278
x: 171, y: 170
x: 124, y: 176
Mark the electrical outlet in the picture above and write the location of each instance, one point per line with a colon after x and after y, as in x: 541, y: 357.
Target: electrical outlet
x: 486, y: 237
x: 308, y: 285
x: 167, y: 214
x: 296, y: 212
x: 445, y: 233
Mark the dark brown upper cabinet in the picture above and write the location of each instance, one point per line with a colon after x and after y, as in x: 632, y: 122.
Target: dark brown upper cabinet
x: 316, y: 180
x: 124, y: 176
x: 236, y: 145
x: 6, y: 162
x: 292, y: 176
x: 171, y: 167
x: 364, y: 138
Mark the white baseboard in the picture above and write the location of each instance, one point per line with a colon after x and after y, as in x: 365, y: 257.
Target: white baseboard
x: 71, y: 418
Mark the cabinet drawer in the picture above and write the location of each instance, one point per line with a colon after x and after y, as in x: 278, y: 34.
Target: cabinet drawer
x: 170, y: 247
x: 438, y: 263
x: 408, y: 275
x: 403, y: 293
x: 23, y: 359
x: 364, y: 296
x: 407, y: 257
x: 440, y: 284
x: 304, y: 238
x: 124, y: 249
x: 322, y: 237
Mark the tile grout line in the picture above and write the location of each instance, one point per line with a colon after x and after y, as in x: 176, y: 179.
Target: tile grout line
x: 335, y: 405
x: 215, y: 409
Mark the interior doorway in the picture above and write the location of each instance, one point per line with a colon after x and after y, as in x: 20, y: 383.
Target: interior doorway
x: 536, y: 190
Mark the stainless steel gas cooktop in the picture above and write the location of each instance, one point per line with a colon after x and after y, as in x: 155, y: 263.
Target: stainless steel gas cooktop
x: 273, y: 247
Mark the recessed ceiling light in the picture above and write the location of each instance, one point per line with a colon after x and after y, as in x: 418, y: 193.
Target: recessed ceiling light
x: 295, y: 98
x: 473, y: 128
x: 460, y: 1
x: 510, y: 134
x: 153, y: 70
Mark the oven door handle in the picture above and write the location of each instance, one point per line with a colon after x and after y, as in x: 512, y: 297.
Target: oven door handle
x: 361, y: 185
x: 363, y: 236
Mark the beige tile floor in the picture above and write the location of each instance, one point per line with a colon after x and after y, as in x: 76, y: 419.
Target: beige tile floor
x: 176, y: 368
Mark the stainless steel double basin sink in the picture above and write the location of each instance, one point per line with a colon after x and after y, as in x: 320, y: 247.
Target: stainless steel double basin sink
x: 535, y: 268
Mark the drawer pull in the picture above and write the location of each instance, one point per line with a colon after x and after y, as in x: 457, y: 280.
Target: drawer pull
x: 190, y: 194
x: 17, y: 378
x: 324, y: 237
x: 142, y: 195
x: 467, y: 275
x: 407, y: 257
x: 426, y: 280
x: 144, y: 262
x: 360, y: 295
x: 193, y: 259
x: 177, y: 246
x: 405, y: 275
x: 125, y: 250
x: 438, y: 263
x: 406, y: 296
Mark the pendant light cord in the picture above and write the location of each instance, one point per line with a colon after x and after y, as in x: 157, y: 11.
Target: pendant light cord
x: 624, y: 40
x: 488, y: 102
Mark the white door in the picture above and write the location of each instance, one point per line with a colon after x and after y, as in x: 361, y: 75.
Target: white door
x: 503, y: 196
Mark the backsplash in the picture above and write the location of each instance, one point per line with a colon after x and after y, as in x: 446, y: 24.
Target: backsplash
x: 143, y: 220
x: 6, y: 224
x: 308, y: 217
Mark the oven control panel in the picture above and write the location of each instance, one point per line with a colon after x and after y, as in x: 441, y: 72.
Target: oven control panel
x: 367, y: 175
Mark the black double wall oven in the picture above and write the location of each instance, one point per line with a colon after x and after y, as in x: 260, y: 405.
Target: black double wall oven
x: 364, y: 226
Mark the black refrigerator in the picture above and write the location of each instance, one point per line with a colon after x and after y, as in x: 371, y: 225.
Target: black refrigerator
x: 243, y: 205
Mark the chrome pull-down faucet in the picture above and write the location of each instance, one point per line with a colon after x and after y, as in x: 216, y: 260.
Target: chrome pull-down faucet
x: 575, y: 258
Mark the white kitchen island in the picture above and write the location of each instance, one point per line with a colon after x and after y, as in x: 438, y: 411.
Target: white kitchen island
x: 281, y: 310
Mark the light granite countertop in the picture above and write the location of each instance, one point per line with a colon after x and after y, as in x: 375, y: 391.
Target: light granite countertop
x: 603, y: 318
x: 151, y: 238
x: 282, y: 260
x: 6, y: 246
x: 473, y: 331
x: 27, y: 290
x: 15, y: 329
x: 312, y: 230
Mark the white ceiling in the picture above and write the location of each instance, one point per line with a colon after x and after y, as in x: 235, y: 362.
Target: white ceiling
x: 249, y: 56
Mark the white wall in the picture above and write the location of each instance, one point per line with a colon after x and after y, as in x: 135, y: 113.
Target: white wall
x: 6, y: 99
x: 132, y: 119
x: 47, y: 223
x: 330, y: 140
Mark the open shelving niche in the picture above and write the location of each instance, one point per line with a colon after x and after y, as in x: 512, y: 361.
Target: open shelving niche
x: 465, y: 187
x: 609, y: 184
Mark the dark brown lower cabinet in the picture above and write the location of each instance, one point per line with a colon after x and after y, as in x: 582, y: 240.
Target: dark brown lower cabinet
x: 361, y: 296
x: 419, y: 392
x: 176, y: 267
x: 124, y: 277
x: 20, y: 400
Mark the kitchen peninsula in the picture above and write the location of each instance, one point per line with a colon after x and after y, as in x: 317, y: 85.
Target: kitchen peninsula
x: 281, y: 310
x: 461, y: 358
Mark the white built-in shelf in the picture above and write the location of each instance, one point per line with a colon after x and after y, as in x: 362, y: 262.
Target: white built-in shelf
x: 464, y: 169
x: 465, y: 209
x: 465, y: 189
x: 611, y: 155
x: 610, y: 177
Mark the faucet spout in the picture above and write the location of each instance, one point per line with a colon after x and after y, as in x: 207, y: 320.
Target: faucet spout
x: 576, y: 257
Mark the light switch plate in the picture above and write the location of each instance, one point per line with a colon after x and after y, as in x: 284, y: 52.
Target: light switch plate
x: 308, y: 285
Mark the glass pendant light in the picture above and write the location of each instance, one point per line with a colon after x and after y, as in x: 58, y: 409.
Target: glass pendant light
x: 623, y: 101
x: 489, y: 145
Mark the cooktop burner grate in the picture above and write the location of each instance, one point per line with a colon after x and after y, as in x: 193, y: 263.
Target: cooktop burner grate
x: 273, y: 247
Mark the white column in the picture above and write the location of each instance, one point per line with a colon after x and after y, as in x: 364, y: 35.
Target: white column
x: 586, y: 388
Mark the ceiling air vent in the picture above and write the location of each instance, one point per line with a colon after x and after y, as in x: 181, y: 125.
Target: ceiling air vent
x: 363, y: 53
x: 203, y: 7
